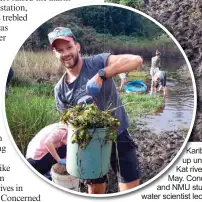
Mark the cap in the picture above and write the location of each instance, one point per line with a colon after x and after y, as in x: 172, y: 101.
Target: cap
x: 60, y: 33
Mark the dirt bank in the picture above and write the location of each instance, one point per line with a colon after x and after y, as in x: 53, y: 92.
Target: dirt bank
x: 154, y: 153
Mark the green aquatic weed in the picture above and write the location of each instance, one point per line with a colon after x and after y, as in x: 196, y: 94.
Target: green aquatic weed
x: 83, y: 118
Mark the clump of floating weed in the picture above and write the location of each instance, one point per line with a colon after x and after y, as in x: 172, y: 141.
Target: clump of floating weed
x: 83, y: 118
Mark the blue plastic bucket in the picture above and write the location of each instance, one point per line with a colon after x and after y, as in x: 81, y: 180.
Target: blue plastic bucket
x: 93, y: 161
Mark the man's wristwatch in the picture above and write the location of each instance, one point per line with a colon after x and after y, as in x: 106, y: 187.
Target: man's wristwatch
x: 101, y: 74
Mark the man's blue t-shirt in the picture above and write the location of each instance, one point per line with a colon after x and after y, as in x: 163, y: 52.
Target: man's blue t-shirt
x: 67, y: 95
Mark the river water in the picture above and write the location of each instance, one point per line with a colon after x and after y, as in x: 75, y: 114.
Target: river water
x: 177, y: 112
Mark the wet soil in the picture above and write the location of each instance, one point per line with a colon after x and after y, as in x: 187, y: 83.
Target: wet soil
x: 154, y: 153
x: 60, y: 169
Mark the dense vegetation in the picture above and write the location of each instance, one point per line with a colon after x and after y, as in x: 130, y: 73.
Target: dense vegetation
x: 30, y: 107
x: 132, y: 3
x: 101, y: 28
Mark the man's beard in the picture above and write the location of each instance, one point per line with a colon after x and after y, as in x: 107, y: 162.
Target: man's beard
x: 75, y: 62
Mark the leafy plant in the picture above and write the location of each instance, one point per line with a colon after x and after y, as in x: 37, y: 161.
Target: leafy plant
x: 83, y: 118
x: 133, y: 3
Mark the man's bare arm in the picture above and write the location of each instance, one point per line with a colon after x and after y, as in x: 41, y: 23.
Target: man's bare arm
x: 117, y: 64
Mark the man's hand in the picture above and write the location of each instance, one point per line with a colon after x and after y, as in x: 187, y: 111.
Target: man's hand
x: 62, y: 161
x: 94, y: 85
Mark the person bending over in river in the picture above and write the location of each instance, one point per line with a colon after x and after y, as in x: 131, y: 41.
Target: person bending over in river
x: 159, y: 81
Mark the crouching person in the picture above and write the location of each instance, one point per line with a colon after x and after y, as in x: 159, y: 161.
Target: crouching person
x: 159, y: 82
x: 48, y: 147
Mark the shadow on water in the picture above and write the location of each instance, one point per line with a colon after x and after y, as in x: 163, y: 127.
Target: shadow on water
x: 177, y: 112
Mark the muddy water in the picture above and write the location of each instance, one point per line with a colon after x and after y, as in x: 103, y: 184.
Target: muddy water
x: 177, y: 112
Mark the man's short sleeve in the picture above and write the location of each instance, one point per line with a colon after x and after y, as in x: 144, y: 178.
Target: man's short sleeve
x: 100, y: 60
x: 58, y: 99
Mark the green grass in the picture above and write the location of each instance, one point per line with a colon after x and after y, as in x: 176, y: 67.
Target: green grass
x: 135, y: 42
x: 29, y: 109
x: 134, y: 75
x: 137, y: 105
x: 35, y: 89
x: 138, y: 75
